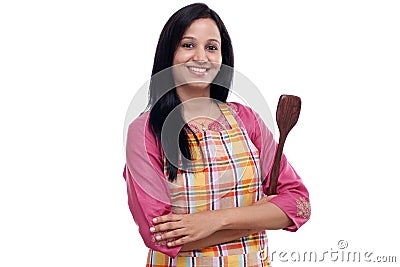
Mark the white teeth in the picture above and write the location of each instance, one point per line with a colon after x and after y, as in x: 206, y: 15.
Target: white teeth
x: 197, y: 69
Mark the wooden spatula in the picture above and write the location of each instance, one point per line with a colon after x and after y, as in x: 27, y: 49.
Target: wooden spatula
x: 287, y: 114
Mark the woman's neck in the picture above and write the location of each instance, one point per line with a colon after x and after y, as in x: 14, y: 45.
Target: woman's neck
x: 195, y: 100
x: 190, y: 92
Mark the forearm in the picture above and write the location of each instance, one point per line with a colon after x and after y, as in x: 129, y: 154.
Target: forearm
x: 218, y: 237
x: 263, y: 216
x: 206, y: 228
x: 235, y: 220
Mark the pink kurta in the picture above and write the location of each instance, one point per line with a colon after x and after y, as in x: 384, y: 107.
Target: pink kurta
x: 148, y: 191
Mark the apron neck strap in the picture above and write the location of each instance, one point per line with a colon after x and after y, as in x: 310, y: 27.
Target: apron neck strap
x: 228, y: 115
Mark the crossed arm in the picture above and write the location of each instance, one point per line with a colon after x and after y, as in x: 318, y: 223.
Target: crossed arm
x: 207, y: 228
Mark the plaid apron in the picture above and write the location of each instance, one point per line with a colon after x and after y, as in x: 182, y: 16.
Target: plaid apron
x: 225, y: 175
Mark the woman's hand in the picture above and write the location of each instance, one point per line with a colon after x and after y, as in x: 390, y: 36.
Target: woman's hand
x: 186, y: 227
x: 265, y: 199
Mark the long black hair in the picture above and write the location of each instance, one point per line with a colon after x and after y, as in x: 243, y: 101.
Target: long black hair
x: 162, y: 92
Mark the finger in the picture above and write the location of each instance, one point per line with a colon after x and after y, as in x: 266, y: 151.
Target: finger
x: 167, y: 218
x: 168, y: 226
x: 265, y: 199
x: 268, y: 198
x: 172, y: 234
x: 178, y: 242
x: 257, y: 203
x: 261, y: 201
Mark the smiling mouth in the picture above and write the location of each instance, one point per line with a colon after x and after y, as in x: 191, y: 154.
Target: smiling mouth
x: 198, y: 70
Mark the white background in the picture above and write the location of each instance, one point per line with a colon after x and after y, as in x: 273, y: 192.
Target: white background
x: 69, y: 69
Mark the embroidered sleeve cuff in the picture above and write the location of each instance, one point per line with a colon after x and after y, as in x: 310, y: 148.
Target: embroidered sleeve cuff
x: 297, y: 209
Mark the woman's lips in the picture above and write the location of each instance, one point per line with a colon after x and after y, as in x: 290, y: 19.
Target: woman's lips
x: 200, y: 71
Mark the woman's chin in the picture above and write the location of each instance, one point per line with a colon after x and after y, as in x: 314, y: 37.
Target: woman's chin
x: 198, y: 85
x: 193, y: 85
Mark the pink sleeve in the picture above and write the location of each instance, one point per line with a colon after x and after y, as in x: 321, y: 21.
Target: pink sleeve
x: 147, y: 187
x: 292, y: 196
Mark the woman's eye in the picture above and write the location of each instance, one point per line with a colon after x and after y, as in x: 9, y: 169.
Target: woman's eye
x: 212, y: 47
x: 188, y: 45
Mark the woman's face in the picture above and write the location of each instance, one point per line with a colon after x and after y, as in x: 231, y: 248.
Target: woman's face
x: 198, y: 57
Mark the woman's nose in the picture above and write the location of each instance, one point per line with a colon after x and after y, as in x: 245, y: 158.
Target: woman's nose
x: 200, y: 55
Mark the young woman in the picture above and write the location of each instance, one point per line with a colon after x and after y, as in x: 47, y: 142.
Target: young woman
x: 197, y: 167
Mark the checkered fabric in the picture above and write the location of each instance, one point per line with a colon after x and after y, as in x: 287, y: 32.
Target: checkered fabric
x: 226, y: 174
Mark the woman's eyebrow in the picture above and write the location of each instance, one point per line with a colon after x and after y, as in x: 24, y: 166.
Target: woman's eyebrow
x: 193, y: 38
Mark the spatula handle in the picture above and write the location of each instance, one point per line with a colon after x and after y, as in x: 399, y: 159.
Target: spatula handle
x: 273, y: 182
